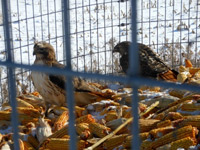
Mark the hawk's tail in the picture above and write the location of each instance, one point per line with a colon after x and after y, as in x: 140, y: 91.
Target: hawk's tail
x: 170, y: 75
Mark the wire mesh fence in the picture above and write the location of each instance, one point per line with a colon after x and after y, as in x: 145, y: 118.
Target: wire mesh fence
x: 170, y: 28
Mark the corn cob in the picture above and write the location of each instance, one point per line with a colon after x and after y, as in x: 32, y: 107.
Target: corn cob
x: 187, y: 131
x: 193, y: 121
x: 61, y: 121
x: 193, y: 70
x: 183, y: 143
x: 58, y: 110
x: 29, y: 111
x: 66, y: 137
x: 173, y: 116
x: 147, y: 125
x: 5, y: 115
x: 144, y: 136
x: 83, y: 130
x: 61, y: 144
x: 28, y: 146
x: 33, y: 141
x: 79, y: 111
x: 111, y: 116
x: 60, y: 133
x: 177, y: 93
x: 22, y: 103
x: 85, y: 119
x: 145, y: 145
x: 21, y: 144
x: 190, y: 107
x: 99, y: 129
x: 158, y: 132
x: 188, y: 63
x: 115, y: 141
x: 164, y: 123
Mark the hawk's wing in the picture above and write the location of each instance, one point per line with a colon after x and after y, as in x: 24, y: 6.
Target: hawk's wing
x: 58, y: 79
x: 79, y: 84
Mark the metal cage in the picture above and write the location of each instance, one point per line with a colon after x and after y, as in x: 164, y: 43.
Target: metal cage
x: 83, y: 33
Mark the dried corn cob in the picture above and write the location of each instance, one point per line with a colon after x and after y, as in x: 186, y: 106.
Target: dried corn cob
x: 188, y: 63
x: 83, y: 130
x: 190, y: 107
x: 22, y: 103
x: 61, y: 121
x: 85, y: 119
x: 144, y: 136
x: 21, y: 144
x: 164, y: 123
x: 115, y: 141
x: 111, y: 116
x: 187, y: 131
x: 5, y: 115
x: 28, y: 146
x: 193, y: 70
x: 173, y: 116
x: 79, y: 111
x: 60, y: 133
x: 58, y: 110
x: 147, y: 125
x: 33, y: 141
x: 99, y: 129
x: 145, y: 145
x: 62, y: 144
x: 193, y: 121
x: 177, y: 93
x: 183, y: 143
x: 158, y: 132
x: 29, y: 111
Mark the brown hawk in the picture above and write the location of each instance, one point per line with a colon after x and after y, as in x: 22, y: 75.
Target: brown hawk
x: 52, y: 87
x: 150, y: 64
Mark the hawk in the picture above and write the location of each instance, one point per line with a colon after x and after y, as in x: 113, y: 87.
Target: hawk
x: 52, y: 87
x: 150, y: 64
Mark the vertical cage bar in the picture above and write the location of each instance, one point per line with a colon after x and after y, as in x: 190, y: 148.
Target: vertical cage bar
x: 6, y: 12
x: 134, y: 72
x: 69, y: 85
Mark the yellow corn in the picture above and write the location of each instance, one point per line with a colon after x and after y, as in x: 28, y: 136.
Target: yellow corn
x: 193, y: 70
x: 60, y: 133
x: 5, y: 115
x: 61, y: 144
x: 32, y: 112
x: 85, y: 119
x: 58, y: 110
x: 111, y: 116
x: 33, y: 141
x: 144, y: 136
x: 99, y: 129
x: 83, y: 130
x: 28, y: 146
x: 147, y: 124
x: 23, y: 103
x: 187, y: 131
x: 183, y: 143
x: 79, y: 111
x: 190, y: 107
x: 177, y: 93
x: 164, y: 123
x: 115, y: 141
x: 145, y: 145
x: 188, y: 63
x: 192, y: 120
x: 21, y: 144
x: 173, y: 116
x: 158, y: 132
x: 61, y: 121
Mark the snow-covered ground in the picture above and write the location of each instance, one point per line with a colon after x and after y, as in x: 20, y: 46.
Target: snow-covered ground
x: 171, y: 28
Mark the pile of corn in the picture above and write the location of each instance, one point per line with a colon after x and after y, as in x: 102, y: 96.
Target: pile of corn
x: 106, y: 123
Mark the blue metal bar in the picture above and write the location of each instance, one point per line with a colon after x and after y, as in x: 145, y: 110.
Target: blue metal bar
x: 134, y: 72
x: 69, y: 85
x: 6, y: 12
